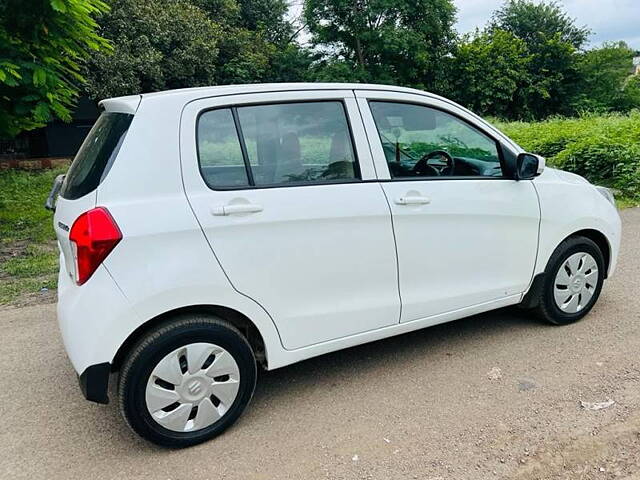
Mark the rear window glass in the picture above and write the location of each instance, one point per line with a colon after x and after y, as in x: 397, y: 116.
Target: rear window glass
x: 94, y: 159
x: 221, y: 160
x: 301, y: 143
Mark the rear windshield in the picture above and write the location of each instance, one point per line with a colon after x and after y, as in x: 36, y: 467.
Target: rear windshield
x: 93, y: 161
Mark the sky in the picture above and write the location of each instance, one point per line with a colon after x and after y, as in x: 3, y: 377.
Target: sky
x: 609, y: 20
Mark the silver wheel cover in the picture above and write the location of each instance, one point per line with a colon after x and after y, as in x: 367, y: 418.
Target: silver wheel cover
x: 192, y: 387
x: 575, y: 282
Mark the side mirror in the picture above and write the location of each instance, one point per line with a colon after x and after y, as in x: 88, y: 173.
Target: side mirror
x: 528, y: 166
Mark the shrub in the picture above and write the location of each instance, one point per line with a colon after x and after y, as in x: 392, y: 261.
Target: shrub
x: 605, y: 149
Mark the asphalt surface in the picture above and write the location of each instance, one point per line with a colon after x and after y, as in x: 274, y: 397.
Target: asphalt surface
x: 492, y: 396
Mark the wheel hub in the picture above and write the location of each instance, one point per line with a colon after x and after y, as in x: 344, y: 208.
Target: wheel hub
x: 575, y: 282
x: 192, y: 387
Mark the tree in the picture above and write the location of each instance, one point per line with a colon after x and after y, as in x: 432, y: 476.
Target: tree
x: 290, y: 63
x: 269, y: 17
x: 386, y: 41
x: 43, y: 44
x: 535, y: 23
x: 552, y: 40
x: 631, y: 89
x: 164, y: 44
x: 488, y: 71
x: 266, y: 16
x: 257, y: 42
x: 604, y: 84
x: 158, y: 44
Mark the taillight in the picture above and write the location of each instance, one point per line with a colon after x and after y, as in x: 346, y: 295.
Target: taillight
x: 93, y: 235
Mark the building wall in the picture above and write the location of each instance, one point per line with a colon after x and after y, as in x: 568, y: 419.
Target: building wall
x: 56, y: 140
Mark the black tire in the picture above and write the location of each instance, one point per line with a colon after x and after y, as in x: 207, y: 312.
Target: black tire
x: 546, y: 307
x: 158, y: 343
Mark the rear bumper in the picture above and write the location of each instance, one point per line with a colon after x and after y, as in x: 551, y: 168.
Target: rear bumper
x: 94, y: 382
x: 88, y: 318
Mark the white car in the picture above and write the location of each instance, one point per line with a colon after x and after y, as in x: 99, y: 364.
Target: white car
x: 206, y: 231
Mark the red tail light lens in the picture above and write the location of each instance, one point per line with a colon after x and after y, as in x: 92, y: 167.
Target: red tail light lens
x: 93, y: 235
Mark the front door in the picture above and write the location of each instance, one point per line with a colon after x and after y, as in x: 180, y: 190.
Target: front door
x: 276, y: 181
x: 466, y: 234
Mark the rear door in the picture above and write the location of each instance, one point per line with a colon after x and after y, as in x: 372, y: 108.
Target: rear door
x: 277, y: 181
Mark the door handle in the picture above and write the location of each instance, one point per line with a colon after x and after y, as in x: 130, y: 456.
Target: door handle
x: 236, y: 208
x: 413, y: 200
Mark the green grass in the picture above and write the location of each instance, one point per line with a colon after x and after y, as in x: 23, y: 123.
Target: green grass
x: 28, y: 252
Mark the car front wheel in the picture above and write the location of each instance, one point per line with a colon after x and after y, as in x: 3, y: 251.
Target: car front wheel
x: 187, y: 381
x: 573, y: 281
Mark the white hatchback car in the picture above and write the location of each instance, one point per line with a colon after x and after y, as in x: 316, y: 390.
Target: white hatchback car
x: 205, y: 231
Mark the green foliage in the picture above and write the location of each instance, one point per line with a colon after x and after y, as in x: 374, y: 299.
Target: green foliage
x: 604, y: 84
x: 244, y: 57
x: 158, y: 44
x: 605, y: 149
x: 528, y: 64
x: 290, y: 63
x: 386, y: 41
x: 488, y: 71
x: 552, y: 40
x: 332, y: 69
x: 221, y: 11
x: 268, y: 17
x: 265, y: 16
x: 537, y: 23
x: 164, y: 44
x: 631, y: 91
x: 256, y: 41
x: 43, y: 44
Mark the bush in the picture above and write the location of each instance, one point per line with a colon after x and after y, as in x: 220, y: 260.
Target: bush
x: 605, y: 149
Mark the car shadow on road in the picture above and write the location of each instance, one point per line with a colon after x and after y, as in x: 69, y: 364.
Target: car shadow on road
x: 422, y: 346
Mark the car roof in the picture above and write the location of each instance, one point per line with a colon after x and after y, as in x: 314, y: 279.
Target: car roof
x: 185, y: 95
x: 268, y: 87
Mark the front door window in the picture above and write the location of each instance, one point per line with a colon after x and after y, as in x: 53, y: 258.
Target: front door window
x: 420, y: 141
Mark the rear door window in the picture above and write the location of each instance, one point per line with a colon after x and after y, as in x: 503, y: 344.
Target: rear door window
x: 96, y: 155
x: 221, y: 161
x: 276, y: 145
x: 298, y: 143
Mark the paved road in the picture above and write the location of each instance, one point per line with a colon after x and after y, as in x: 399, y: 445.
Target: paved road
x: 430, y: 404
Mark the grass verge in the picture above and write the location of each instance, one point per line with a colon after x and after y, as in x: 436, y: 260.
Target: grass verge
x: 28, y: 250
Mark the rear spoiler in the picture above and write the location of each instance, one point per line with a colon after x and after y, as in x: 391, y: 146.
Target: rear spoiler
x: 127, y: 104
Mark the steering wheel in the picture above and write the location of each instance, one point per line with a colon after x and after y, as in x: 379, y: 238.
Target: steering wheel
x: 422, y: 167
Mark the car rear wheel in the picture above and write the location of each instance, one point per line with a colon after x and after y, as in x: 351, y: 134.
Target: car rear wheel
x: 573, y: 281
x: 187, y: 381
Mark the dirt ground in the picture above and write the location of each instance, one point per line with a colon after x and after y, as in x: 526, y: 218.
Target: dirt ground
x: 493, y: 396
